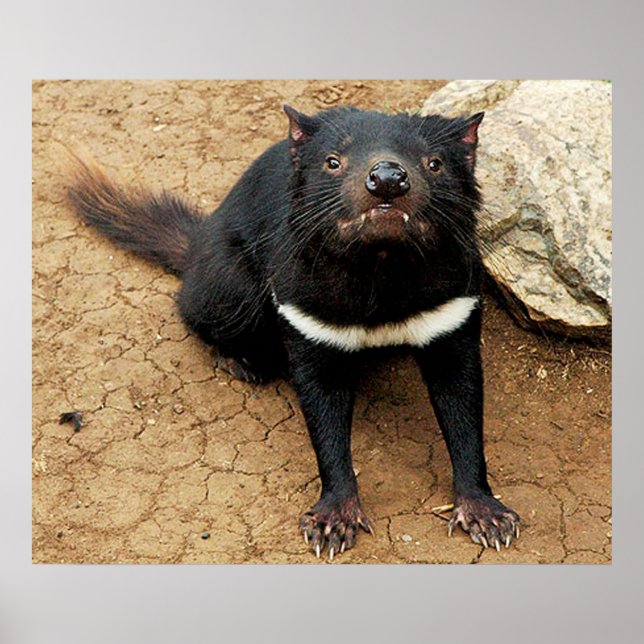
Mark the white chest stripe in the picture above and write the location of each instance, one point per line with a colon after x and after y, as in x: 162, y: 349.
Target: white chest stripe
x: 417, y: 330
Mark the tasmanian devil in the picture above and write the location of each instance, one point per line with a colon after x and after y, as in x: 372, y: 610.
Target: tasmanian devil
x: 355, y: 233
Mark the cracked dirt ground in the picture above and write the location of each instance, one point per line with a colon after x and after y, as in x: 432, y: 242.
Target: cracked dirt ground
x: 172, y: 450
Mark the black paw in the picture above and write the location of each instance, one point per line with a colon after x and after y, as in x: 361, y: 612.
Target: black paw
x: 240, y: 369
x: 487, y: 520
x: 335, y: 523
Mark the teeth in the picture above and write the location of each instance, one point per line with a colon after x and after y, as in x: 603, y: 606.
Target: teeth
x: 382, y: 210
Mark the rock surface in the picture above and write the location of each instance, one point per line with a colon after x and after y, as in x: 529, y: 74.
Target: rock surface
x: 544, y: 164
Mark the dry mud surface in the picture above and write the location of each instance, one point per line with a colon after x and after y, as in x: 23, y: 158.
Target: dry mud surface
x: 172, y: 449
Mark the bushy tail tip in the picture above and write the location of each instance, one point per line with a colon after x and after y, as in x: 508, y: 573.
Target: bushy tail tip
x: 156, y: 227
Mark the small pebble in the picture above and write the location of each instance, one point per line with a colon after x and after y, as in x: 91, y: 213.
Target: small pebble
x: 178, y: 409
x: 73, y: 417
x: 406, y: 538
x: 205, y: 535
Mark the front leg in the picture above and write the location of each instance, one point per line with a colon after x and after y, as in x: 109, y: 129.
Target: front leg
x: 451, y: 367
x: 324, y: 380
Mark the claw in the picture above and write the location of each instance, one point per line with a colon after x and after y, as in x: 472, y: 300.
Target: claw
x: 488, y: 522
x: 333, y: 526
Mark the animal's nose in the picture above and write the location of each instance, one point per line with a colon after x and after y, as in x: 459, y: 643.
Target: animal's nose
x: 387, y: 180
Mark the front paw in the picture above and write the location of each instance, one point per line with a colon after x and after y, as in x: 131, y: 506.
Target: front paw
x: 334, y: 522
x: 487, y: 520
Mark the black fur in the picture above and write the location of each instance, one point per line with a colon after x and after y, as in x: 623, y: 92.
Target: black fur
x: 302, y: 227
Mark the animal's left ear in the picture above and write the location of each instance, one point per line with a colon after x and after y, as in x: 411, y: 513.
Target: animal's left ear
x: 471, y: 137
x: 472, y: 128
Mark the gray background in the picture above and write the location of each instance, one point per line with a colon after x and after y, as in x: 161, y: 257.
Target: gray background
x: 328, y: 39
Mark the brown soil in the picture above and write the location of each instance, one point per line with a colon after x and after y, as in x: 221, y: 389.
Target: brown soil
x: 172, y: 449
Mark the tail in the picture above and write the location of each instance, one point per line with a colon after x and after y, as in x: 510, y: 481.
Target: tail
x: 156, y: 227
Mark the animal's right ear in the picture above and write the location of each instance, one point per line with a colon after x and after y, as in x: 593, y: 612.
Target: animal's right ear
x: 301, y: 128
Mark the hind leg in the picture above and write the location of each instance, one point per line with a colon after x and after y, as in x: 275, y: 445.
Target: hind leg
x: 235, y: 315
x: 256, y: 355
x: 240, y: 369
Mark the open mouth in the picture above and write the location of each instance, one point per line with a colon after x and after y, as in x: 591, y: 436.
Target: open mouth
x: 384, y: 213
x: 384, y: 222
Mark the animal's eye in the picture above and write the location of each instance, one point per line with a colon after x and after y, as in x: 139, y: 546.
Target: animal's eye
x: 332, y: 163
x: 434, y: 164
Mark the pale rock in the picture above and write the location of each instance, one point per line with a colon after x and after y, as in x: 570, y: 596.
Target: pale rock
x: 544, y: 163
